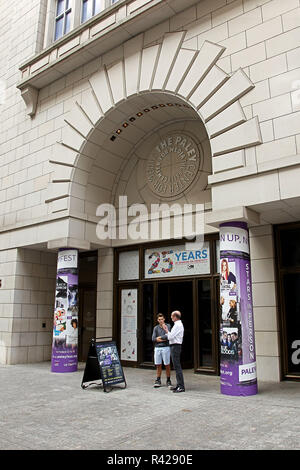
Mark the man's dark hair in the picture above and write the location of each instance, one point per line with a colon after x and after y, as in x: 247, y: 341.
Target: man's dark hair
x: 159, y: 315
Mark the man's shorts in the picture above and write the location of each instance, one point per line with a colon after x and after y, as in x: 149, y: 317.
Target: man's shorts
x: 162, y: 354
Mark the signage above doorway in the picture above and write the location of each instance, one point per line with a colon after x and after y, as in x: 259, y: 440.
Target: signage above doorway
x: 177, y: 261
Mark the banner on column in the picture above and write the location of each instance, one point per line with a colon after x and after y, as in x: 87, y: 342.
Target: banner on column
x: 65, y: 325
x: 238, y: 358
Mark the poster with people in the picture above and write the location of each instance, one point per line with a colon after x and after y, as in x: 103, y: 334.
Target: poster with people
x: 65, y: 324
x: 110, y: 366
x: 237, y: 345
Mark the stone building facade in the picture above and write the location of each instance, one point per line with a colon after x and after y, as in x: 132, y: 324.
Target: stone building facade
x: 83, y: 107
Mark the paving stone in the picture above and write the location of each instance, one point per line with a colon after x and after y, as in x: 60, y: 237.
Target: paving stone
x: 42, y: 410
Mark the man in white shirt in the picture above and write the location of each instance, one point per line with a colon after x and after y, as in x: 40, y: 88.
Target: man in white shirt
x: 175, y: 337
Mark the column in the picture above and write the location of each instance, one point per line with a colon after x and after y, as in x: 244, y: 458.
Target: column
x: 267, y: 332
x: 65, y: 325
x: 238, y: 358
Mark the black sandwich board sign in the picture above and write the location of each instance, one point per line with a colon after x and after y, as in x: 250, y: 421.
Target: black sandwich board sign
x: 103, y: 363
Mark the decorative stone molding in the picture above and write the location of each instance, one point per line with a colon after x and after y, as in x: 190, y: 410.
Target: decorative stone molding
x: 110, y: 28
x: 68, y: 242
x: 172, y: 165
x: 233, y: 214
x: 168, y: 70
x: 30, y: 97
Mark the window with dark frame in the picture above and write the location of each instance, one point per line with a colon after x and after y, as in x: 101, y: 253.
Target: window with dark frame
x: 62, y: 18
x: 63, y: 21
x: 91, y: 8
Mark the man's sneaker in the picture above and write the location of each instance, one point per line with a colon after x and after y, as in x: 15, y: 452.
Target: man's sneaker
x: 157, y: 383
x: 179, y: 390
x: 169, y: 383
x: 174, y: 388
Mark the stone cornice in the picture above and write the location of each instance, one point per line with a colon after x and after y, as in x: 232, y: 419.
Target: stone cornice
x: 90, y: 40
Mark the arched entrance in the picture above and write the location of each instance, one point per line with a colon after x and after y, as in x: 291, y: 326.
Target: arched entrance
x: 161, y: 74
x: 156, y: 113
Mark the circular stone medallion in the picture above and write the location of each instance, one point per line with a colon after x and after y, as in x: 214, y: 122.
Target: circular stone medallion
x: 172, y: 165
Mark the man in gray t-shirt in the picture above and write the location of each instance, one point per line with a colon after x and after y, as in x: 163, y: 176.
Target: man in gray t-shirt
x: 161, y: 351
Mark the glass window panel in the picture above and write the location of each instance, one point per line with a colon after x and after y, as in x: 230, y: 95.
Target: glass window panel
x: 128, y: 265
x: 291, y: 287
x: 88, y: 269
x: 60, y: 7
x: 179, y: 296
x: 59, y: 28
x: 98, y: 6
x: 205, y: 325
x: 87, y: 10
x: 290, y: 248
x: 148, y: 309
x: 68, y: 22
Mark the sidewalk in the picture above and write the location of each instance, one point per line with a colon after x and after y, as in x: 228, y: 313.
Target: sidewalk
x: 42, y: 410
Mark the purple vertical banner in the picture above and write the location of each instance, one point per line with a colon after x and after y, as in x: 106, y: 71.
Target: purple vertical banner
x: 238, y: 358
x: 65, y: 325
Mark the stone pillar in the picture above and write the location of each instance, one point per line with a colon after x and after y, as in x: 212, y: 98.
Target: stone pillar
x: 238, y: 358
x: 26, y: 305
x: 267, y: 332
x: 65, y: 325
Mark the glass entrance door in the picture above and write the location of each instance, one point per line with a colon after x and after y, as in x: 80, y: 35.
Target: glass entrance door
x: 287, y: 238
x: 147, y: 321
x: 207, y: 326
x: 165, y: 297
x: 87, y: 301
x: 197, y: 300
x: 291, y: 289
x: 205, y: 358
x: 179, y: 296
x: 87, y: 320
x: 188, y: 282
